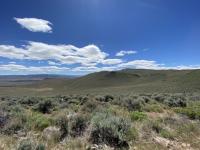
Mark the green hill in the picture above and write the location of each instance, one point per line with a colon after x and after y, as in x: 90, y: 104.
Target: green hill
x: 124, y: 81
x: 132, y: 80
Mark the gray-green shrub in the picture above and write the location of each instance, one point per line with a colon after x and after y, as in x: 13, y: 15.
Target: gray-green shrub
x: 110, y: 129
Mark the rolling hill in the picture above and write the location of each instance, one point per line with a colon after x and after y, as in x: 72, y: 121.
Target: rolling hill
x: 124, y: 81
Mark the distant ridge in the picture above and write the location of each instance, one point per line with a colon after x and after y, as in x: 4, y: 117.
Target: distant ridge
x: 139, y: 80
x: 123, y: 81
x: 39, y: 76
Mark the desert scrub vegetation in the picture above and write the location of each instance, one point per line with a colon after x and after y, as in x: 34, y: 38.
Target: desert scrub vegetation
x: 110, y: 129
x: 192, y: 110
x: 99, y: 121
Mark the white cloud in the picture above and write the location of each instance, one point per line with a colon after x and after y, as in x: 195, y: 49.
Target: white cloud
x: 85, y: 69
x: 65, y: 54
x: 35, y: 25
x: 122, y: 53
x: 12, y: 52
x: 86, y: 59
x: 94, y: 69
x: 20, y: 69
x: 150, y: 64
x: 141, y: 64
x: 111, y: 61
x: 182, y: 67
x: 137, y: 64
x: 53, y: 63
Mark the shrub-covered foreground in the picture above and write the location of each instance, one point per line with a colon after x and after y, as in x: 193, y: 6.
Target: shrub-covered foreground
x: 145, y: 121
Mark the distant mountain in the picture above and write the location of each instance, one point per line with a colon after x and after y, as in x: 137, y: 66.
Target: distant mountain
x: 36, y: 76
x: 14, y: 80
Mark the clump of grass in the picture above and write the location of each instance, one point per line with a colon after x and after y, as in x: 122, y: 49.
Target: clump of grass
x: 76, y: 144
x: 138, y: 116
x: 188, y: 128
x: 192, y: 110
x: 167, y: 134
x: 37, y: 121
x: 156, y: 126
x: 154, y: 108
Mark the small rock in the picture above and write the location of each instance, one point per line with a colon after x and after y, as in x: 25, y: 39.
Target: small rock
x: 134, y: 148
x: 184, y: 145
x: 92, y: 147
x: 188, y: 145
x: 21, y: 134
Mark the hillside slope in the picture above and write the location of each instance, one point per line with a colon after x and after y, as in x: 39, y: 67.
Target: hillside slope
x: 131, y: 80
x: 124, y: 81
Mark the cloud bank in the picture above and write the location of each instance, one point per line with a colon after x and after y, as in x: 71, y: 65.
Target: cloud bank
x: 65, y: 59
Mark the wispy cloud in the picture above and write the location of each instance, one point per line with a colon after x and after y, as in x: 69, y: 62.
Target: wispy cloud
x: 141, y: 64
x: 35, y: 24
x: 53, y: 63
x: 122, y: 53
x: 21, y: 69
x: 135, y: 64
x: 111, y: 61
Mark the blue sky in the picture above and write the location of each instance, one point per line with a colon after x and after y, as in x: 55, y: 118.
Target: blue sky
x: 83, y: 36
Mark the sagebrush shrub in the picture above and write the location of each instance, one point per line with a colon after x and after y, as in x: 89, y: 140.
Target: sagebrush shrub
x: 90, y: 106
x: 40, y: 147
x: 3, y: 119
x: 100, y: 98
x: 13, y: 126
x: 160, y: 98
x: 110, y: 129
x: 63, y: 123
x: 29, y: 101
x: 26, y: 145
x: 176, y: 101
x: 45, y: 106
x: 133, y: 104
x: 78, y: 125
x: 108, y: 98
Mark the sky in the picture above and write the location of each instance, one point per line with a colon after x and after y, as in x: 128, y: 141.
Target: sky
x: 77, y: 37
